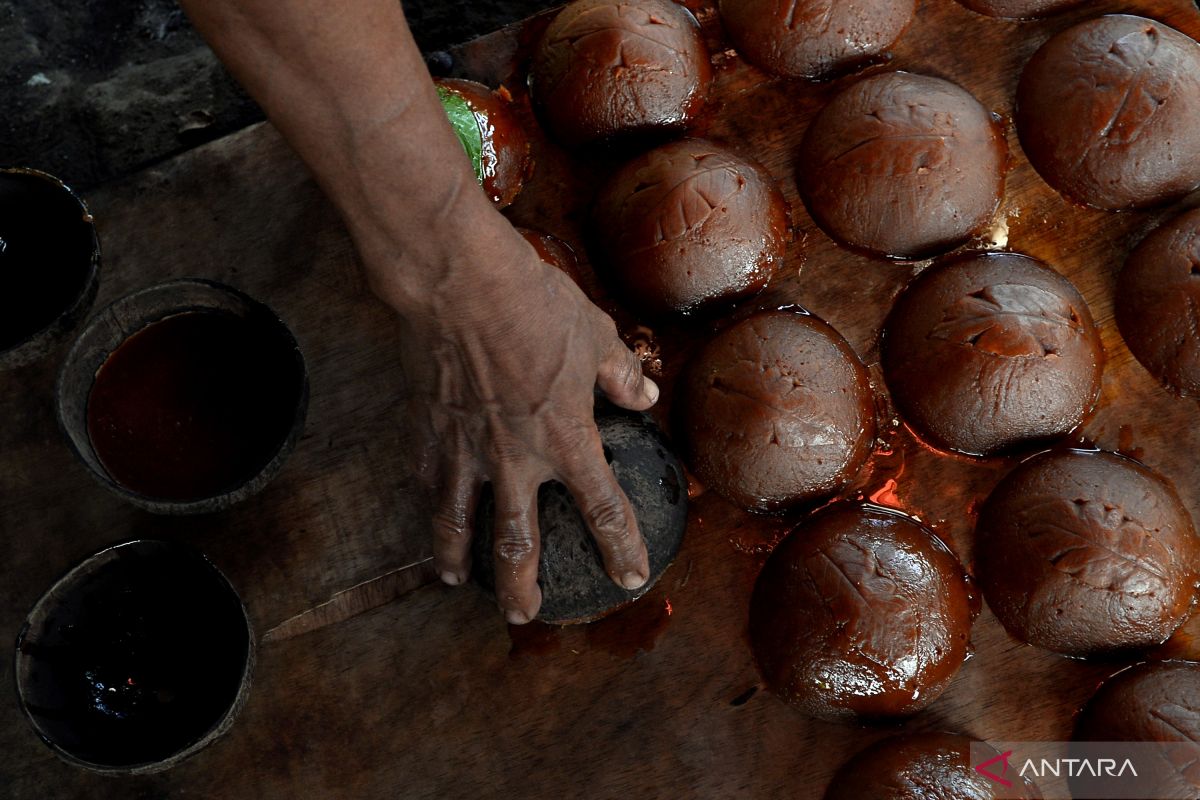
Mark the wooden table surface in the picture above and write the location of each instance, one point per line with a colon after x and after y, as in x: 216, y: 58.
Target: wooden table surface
x: 432, y: 695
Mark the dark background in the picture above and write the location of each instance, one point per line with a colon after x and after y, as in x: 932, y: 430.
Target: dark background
x: 94, y: 89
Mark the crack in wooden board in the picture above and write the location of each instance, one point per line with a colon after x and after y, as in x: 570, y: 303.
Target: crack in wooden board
x: 358, y: 599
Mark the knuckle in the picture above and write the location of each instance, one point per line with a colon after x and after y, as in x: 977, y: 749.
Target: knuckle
x: 515, y: 540
x: 514, y: 548
x: 630, y: 370
x: 503, y: 451
x: 607, y: 518
x: 573, y: 442
x: 450, y: 524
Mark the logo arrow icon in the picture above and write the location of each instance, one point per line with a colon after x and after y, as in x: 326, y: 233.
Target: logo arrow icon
x: 982, y: 769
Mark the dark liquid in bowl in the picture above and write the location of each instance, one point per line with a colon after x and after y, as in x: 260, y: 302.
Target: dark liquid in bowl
x: 46, y: 246
x: 195, y: 404
x: 139, y: 659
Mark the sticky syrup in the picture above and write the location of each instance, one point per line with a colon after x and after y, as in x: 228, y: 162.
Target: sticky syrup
x: 194, y: 404
x: 46, y: 245
x: 140, y: 659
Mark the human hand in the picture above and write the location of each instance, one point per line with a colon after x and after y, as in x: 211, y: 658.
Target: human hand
x: 502, y: 352
x: 501, y: 370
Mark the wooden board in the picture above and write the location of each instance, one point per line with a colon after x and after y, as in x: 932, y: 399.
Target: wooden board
x: 433, y: 695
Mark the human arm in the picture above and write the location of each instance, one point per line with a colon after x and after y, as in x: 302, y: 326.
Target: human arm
x: 501, y: 351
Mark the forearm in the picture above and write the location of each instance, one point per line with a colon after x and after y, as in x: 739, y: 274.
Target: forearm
x: 347, y: 87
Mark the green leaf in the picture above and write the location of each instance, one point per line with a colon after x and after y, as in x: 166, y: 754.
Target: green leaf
x: 462, y: 119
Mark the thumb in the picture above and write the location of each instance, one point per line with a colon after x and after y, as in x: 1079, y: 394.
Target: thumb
x: 620, y: 378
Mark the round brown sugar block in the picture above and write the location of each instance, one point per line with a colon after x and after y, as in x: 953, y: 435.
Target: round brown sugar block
x: 1107, y: 110
x: 814, y: 38
x: 1157, y: 303
x: 777, y: 410
x: 1149, y: 702
x: 989, y: 351
x: 1152, y: 702
x: 492, y: 136
x: 924, y: 766
x: 862, y: 612
x: 1018, y: 9
x: 606, y: 68
x: 1085, y: 552
x: 575, y: 586
x: 903, y: 166
x: 690, y: 226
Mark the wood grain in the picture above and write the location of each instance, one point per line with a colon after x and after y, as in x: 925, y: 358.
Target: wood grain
x: 432, y: 696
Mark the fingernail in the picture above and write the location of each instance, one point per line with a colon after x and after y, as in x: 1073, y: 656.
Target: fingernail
x: 451, y: 578
x: 632, y: 580
x: 516, y: 616
x: 651, y: 389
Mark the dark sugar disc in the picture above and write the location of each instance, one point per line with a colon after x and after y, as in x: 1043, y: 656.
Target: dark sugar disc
x: 575, y: 586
